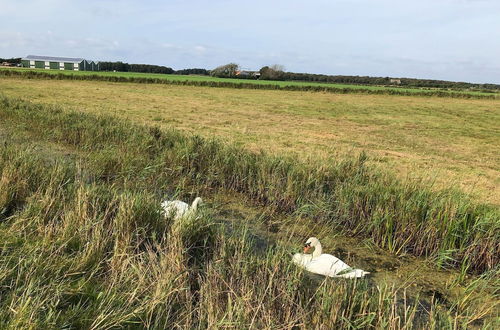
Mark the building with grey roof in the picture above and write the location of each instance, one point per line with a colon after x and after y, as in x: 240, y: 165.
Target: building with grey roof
x: 59, y: 63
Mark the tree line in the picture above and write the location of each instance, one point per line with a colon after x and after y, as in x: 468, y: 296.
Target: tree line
x: 365, y: 80
x: 242, y: 84
x: 13, y: 60
x: 198, y: 71
x: 125, y: 67
x: 148, y: 68
x: 277, y: 72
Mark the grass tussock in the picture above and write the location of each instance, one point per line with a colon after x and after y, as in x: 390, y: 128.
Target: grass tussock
x: 30, y: 74
x: 345, y: 194
x: 78, y: 252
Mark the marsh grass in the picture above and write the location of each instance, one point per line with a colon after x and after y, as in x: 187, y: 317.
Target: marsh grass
x: 89, y: 254
x: 345, y: 194
x: 84, y: 246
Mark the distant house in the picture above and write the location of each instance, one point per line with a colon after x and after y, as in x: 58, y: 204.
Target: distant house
x: 395, y: 81
x: 242, y: 73
x: 59, y: 63
x: 247, y: 74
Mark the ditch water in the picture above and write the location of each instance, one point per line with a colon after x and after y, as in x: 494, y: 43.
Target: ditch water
x: 416, y: 279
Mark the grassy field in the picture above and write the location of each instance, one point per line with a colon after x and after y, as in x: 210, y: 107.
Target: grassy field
x: 196, y: 78
x: 451, y: 142
x: 83, y: 245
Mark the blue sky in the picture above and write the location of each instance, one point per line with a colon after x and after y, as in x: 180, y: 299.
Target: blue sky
x: 438, y: 39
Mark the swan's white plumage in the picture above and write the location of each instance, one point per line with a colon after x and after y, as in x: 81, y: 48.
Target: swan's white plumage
x: 178, y: 209
x: 325, y: 264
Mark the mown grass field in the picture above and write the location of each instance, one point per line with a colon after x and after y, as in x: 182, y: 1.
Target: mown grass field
x: 84, y: 246
x: 196, y: 78
x: 445, y: 141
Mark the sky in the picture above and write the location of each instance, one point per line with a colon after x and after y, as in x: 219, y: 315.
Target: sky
x: 456, y: 40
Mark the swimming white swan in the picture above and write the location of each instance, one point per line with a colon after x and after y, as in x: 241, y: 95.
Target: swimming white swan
x: 179, y: 209
x: 324, y: 264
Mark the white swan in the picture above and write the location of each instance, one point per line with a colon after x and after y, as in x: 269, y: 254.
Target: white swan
x: 179, y: 209
x: 324, y: 264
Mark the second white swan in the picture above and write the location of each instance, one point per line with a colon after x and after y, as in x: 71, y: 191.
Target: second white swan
x: 324, y: 264
x: 180, y: 209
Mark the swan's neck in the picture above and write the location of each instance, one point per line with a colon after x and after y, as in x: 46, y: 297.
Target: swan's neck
x: 194, y: 206
x: 318, y: 250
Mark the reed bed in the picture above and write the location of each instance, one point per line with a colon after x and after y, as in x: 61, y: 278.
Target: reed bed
x: 79, y: 251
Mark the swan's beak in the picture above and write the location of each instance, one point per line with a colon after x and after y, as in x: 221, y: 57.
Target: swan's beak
x: 306, y: 248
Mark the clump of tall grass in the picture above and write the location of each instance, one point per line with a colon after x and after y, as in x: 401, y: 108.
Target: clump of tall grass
x: 85, y: 255
x: 20, y: 178
x: 403, y: 217
x: 243, y: 85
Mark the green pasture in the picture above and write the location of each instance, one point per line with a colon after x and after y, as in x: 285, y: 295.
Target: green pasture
x: 199, y: 78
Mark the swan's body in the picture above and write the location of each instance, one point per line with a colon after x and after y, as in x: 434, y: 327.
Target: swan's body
x: 324, y: 264
x: 179, y: 209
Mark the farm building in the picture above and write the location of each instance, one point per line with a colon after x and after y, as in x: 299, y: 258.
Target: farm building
x: 59, y: 63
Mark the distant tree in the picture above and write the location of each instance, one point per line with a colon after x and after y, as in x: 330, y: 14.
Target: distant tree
x: 125, y: 67
x: 278, y: 68
x: 148, y: 68
x: 16, y: 60
x: 225, y: 71
x: 193, y: 71
x: 273, y: 72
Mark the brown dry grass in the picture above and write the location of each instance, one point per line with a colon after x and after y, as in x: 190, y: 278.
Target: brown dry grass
x: 450, y: 141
